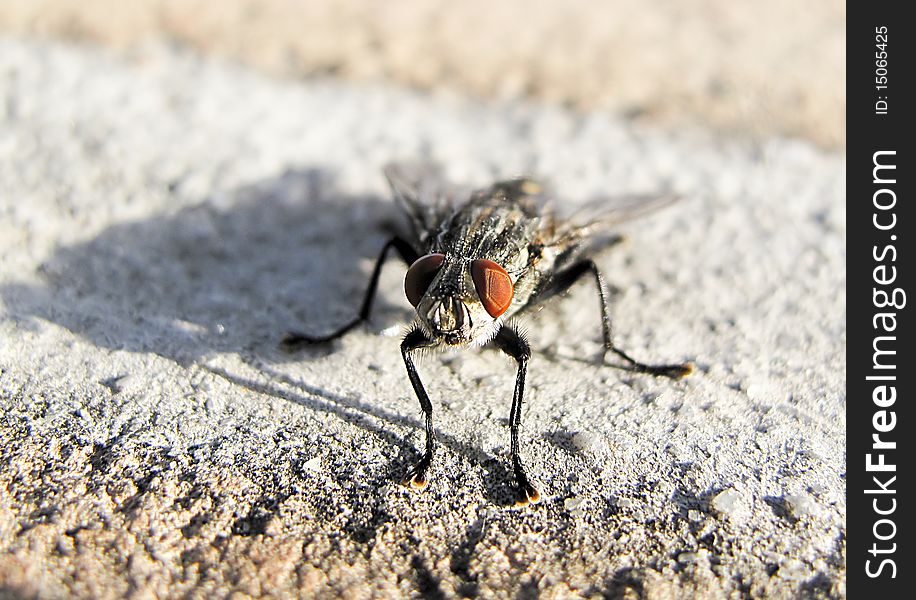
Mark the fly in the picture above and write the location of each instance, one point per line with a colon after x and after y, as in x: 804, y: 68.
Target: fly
x: 476, y: 262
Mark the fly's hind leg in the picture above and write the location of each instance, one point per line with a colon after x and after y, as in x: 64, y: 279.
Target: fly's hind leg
x: 295, y: 340
x: 566, y: 278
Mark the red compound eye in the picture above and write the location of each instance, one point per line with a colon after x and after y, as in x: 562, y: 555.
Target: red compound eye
x: 494, y: 287
x: 420, y: 275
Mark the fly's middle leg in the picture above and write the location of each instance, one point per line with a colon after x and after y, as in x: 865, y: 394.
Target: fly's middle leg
x: 414, y: 341
x: 295, y: 340
x: 510, y: 341
x: 565, y: 279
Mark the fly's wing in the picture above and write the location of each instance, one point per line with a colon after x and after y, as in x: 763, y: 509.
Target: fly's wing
x: 601, y: 214
x: 424, y: 195
x: 591, y: 227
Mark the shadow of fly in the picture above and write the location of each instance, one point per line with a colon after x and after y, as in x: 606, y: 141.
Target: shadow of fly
x: 476, y: 260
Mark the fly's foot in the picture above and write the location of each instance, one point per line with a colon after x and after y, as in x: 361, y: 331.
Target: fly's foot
x: 672, y: 371
x: 678, y: 371
x: 416, y: 478
x: 417, y: 482
x: 294, y: 340
x: 525, y: 492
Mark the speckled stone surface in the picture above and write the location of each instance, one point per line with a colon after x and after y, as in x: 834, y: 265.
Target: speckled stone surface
x: 163, y: 220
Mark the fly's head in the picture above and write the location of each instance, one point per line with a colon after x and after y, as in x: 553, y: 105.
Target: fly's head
x: 458, y: 301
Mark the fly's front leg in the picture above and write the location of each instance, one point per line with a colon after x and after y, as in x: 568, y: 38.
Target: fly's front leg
x: 296, y: 340
x: 414, y: 341
x: 563, y: 280
x: 510, y: 341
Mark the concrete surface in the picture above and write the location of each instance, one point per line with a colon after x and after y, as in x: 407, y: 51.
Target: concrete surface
x: 164, y: 219
x: 758, y: 68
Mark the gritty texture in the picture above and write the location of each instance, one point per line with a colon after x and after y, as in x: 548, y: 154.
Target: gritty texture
x: 164, y: 220
x: 757, y: 68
